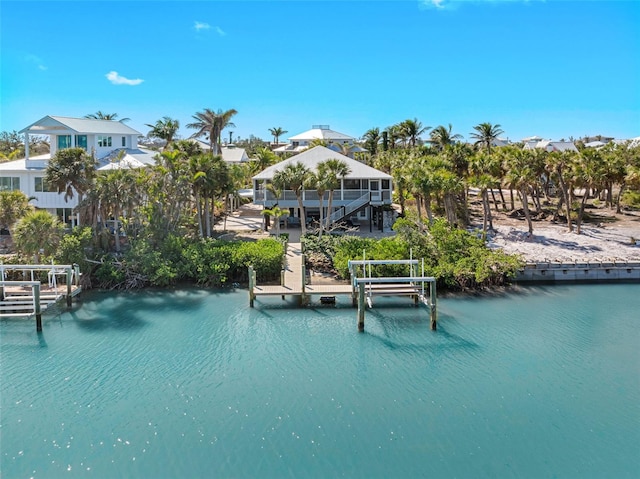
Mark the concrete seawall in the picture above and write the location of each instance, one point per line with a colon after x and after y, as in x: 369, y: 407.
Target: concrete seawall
x: 596, y: 271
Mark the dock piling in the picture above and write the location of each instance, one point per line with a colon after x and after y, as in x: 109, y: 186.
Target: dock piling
x: 251, y: 285
x: 69, y: 281
x: 433, y: 301
x: 36, y: 307
x: 361, y: 307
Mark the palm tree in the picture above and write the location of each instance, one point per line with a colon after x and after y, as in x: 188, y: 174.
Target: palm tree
x: 371, y: 140
x: 14, y: 205
x: 114, y: 190
x: 165, y: 129
x: 520, y: 175
x: 319, y: 181
x: 212, y: 123
x: 441, y: 137
x: 294, y: 177
x: 277, y: 132
x: 71, y: 169
x: 263, y: 158
x: 391, y: 136
x: 105, y: 116
x: 333, y: 170
x: 559, y: 164
x: 486, y: 134
x: 588, y: 174
x: 38, y: 231
x: 412, y: 129
x: 481, y: 177
x: 276, y: 212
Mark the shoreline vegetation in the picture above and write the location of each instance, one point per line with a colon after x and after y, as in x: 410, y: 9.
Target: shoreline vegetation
x: 474, y: 212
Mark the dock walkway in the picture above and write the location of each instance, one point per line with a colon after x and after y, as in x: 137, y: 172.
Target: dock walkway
x: 294, y: 279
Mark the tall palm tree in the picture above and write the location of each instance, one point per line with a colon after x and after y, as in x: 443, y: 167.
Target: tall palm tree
x: 441, y: 137
x: 115, y: 196
x: 486, y: 134
x: 392, y: 134
x: 71, y: 169
x: 333, y: 170
x: 294, y: 177
x: 588, y: 174
x: 212, y: 123
x: 319, y: 181
x: 412, y: 129
x: 520, y: 175
x: 277, y: 132
x: 558, y: 164
x: 165, y: 129
x: 105, y: 116
x: 371, y: 140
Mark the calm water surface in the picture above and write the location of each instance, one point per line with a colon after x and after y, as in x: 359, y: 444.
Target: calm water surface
x: 542, y: 383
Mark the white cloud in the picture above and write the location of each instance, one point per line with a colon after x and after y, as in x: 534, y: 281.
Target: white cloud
x: 220, y: 31
x: 116, y: 79
x: 37, y: 61
x: 445, y: 4
x: 201, y: 26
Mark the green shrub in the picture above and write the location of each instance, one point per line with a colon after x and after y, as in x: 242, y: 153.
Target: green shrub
x: 631, y: 199
x: 457, y: 258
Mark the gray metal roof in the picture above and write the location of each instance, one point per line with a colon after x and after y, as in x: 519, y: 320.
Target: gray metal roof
x: 55, y: 125
x: 312, y: 157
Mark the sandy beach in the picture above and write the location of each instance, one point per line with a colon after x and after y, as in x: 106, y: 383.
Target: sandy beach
x: 618, y: 240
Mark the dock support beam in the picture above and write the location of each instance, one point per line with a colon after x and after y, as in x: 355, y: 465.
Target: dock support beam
x: 36, y: 307
x: 251, y: 285
x: 433, y: 301
x: 303, y: 298
x: 69, y: 274
x: 361, y: 307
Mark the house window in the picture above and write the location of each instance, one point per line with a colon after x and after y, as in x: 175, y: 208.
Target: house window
x: 9, y: 183
x: 81, y: 141
x: 386, y: 184
x: 124, y: 141
x: 351, y: 184
x: 64, y: 141
x: 42, y: 186
x: 104, y: 141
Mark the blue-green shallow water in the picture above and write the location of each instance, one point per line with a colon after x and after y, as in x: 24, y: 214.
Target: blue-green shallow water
x: 541, y: 383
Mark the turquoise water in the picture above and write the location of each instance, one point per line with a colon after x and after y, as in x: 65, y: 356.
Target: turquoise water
x: 540, y: 383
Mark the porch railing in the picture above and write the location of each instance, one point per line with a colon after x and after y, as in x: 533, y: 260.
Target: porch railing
x: 350, y: 208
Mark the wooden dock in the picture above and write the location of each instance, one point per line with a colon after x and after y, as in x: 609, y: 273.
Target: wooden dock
x: 293, y: 279
x: 31, y: 297
x: 361, y: 289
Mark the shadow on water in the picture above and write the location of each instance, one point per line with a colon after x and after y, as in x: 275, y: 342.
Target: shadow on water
x: 440, y: 340
x: 128, y: 308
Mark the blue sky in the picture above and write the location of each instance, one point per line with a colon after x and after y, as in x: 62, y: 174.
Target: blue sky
x: 554, y: 68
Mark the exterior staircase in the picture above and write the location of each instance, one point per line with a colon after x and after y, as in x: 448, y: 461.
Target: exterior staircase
x: 350, y: 208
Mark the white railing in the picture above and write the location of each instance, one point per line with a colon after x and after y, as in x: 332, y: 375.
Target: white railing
x: 349, y: 208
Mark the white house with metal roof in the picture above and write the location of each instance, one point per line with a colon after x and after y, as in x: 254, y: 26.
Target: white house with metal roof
x: 301, y: 142
x: 550, y: 145
x: 113, y: 144
x: 364, y: 192
x: 229, y: 152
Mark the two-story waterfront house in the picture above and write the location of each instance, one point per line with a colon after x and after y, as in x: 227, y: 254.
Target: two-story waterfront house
x: 104, y: 139
x: 364, y: 193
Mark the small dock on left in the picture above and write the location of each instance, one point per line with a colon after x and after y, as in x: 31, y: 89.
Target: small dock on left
x: 40, y: 286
